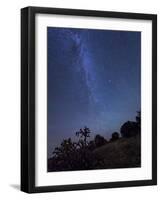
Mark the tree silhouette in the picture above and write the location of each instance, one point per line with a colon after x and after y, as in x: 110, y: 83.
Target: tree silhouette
x: 65, y: 148
x: 138, y: 118
x: 129, y: 129
x: 115, y: 136
x: 83, y: 133
x: 91, y: 145
x: 99, y: 140
x: 63, y: 156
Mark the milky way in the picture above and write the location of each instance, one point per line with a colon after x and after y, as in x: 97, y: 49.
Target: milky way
x: 93, y: 80
x: 84, y: 61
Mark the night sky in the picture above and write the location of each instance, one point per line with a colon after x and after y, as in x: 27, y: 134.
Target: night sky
x: 93, y: 80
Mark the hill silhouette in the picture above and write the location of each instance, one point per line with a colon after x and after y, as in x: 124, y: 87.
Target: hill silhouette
x: 118, y: 152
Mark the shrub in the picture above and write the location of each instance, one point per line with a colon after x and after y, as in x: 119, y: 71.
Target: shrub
x: 99, y: 140
x: 115, y: 136
x: 129, y: 129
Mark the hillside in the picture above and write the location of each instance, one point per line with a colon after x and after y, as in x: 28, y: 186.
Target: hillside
x: 122, y: 153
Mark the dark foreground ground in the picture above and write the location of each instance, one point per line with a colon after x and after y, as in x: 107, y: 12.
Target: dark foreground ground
x: 122, y: 153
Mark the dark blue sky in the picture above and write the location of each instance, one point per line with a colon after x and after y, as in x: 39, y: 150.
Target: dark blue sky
x: 93, y: 80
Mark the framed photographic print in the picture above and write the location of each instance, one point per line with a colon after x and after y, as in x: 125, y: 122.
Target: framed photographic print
x: 88, y: 99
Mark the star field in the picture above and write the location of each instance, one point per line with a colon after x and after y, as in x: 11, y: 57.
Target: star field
x: 93, y: 81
